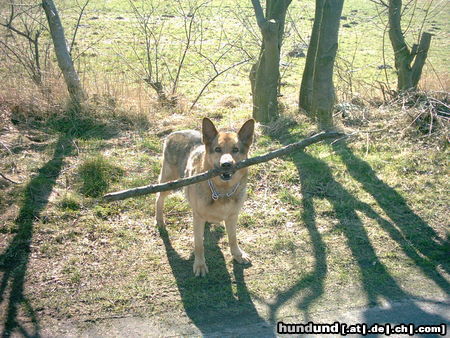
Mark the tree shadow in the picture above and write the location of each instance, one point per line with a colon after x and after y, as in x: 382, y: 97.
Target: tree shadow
x: 313, y: 283
x: 210, y: 302
x: 317, y: 181
x: 418, y: 240
x: 20, y: 316
x: 14, y: 260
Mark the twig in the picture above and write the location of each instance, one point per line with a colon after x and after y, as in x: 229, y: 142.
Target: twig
x: 218, y: 73
x: 172, y: 185
x: 80, y: 16
x: 6, y: 147
x: 8, y: 179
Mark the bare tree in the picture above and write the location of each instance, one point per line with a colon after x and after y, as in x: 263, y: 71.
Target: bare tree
x: 230, y: 52
x: 265, y: 73
x: 154, y: 62
x: 408, y: 62
x: 24, y: 45
x: 317, y: 94
x: 63, y: 56
x: 216, y: 74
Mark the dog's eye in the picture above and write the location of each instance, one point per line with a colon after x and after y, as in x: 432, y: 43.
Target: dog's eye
x: 218, y: 149
x: 235, y: 150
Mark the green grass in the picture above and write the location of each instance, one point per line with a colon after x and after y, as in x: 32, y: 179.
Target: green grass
x: 69, y: 202
x: 337, y: 220
x: 96, y: 174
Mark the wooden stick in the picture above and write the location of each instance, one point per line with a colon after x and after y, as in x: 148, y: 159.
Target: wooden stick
x: 8, y: 179
x: 172, y: 185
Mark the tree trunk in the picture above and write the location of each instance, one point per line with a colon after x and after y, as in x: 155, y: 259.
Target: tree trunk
x: 402, y: 54
x: 421, y: 53
x: 317, y: 94
x: 306, y: 88
x: 408, y: 74
x: 323, y: 97
x: 265, y: 74
x: 65, y: 62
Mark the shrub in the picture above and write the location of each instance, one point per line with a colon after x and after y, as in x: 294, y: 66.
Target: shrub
x: 97, y: 173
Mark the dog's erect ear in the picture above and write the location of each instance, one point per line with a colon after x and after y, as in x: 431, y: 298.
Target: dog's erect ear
x: 245, y: 134
x: 209, y: 131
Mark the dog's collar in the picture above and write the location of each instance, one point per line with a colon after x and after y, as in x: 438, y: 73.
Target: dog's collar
x: 215, y: 195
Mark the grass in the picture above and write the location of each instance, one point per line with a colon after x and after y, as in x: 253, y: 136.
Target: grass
x: 340, y: 219
x: 96, y: 174
x: 340, y: 225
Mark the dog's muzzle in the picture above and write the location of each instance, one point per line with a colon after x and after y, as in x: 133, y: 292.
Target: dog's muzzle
x: 226, y: 176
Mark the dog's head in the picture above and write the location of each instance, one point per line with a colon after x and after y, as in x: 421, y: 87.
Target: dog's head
x: 225, y: 148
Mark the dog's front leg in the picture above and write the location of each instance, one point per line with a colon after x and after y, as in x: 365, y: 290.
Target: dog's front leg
x: 200, y: 268
x: 239, y: 255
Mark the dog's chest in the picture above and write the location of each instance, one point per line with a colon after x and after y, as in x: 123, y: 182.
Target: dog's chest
x: 200, y: 198
x: 221, y: 210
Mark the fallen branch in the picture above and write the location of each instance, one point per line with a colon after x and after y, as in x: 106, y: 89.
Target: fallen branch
x: 172, y: 185
x: 8, y: 179
x: 6, y: 147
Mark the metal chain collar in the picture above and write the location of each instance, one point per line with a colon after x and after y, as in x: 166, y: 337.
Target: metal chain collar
x: 215, y: 195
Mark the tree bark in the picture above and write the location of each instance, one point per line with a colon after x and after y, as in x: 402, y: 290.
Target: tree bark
x: 323, y: 97
x: 402, y: 53
x: 265, y: 74
x: 65, y: 62
x: 317, y: 95
x: 172, y: 185
x: 306, y: 88
x: 420, y: 57
x: 408, y: 73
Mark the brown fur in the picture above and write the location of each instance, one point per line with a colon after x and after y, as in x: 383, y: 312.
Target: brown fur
x: 187, y: 153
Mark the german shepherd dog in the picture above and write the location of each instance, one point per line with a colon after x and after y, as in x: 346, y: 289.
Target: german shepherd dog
x: 189, y: 152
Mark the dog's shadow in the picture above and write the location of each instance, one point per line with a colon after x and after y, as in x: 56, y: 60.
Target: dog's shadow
x: 219, y: 302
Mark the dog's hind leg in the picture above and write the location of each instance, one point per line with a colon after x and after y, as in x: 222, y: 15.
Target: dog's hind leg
x: 168, y: 173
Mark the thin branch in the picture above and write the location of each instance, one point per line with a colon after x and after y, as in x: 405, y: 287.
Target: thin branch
x: 15, y: 30
x: 427, y: 11
x: 18, y: 58
x: 8, y: 179
x: 188, y: 32
x: 77, y: 26
x: 88, y: 47
x: 412, y: 17
x: 215, y: 77
x: 172, y: 185
x: 380, y: 2
x: 6, y: 147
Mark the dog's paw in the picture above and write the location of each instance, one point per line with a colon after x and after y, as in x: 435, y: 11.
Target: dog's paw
x: 200, y: 268
x: 242, y: 258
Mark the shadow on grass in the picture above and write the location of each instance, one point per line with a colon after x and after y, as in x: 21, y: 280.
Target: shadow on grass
x: 418, y: 240
x: 20, y: 316
x: 317, y: 182
x: 212, y: 303
x: 14, y: 260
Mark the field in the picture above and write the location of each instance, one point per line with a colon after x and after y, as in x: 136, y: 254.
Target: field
x: 355, y: 223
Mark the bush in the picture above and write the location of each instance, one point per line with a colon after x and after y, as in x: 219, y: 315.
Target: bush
x: 97, y: 173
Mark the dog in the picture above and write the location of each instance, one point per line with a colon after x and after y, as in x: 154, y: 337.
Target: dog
x: 190, y: 152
